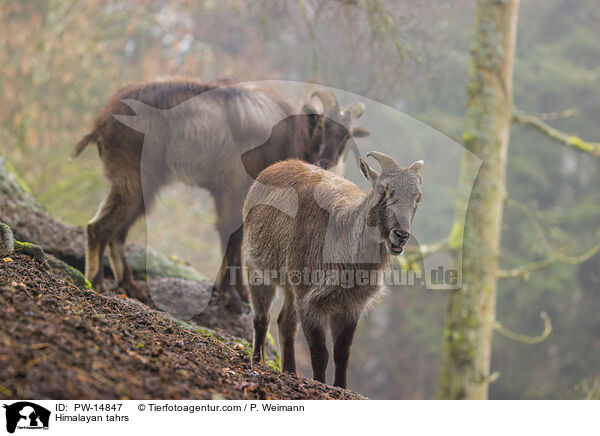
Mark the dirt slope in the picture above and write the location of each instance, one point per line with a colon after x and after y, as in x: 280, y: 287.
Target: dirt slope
x: 59, y: 341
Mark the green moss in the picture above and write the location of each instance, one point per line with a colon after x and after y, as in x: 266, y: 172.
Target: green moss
x: 247, y: 348
x: 30, y: 249
x: 575, y: 141
x: 274, y: 364
x: 184, y: 325
x: 208, y: 334
x: 77, y: 275
x: 25, y: 245
x: 579, y: 143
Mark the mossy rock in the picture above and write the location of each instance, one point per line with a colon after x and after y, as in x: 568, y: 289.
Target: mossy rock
x: 53, y: 264
x: 7, y: 240
x: 156, y: 265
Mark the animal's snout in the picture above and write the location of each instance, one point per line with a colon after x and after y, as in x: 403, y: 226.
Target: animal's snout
x: 399, y: 237
x: 397, y: 240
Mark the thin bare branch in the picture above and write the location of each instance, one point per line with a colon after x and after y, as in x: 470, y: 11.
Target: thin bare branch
x: 415, y: 253
x: 427, y: 249
x: 574, y: 260
x: 572, y: 141
x: 555, y: 257
x: 524, y: 338
x: 522, y: 271
x: 551, y: 116
x: 553, y: 254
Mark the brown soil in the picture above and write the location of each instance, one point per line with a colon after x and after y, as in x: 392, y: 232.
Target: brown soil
x: 61, y: 342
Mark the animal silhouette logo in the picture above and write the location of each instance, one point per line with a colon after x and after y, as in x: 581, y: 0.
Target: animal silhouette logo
x: 26, y: 415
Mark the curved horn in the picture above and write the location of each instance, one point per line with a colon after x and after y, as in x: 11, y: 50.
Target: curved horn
x: 386, y: 162
x: 328, y: 99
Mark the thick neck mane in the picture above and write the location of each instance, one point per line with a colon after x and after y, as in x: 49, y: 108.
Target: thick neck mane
x: 349, y: 208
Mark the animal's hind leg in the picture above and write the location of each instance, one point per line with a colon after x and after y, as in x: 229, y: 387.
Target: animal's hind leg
x: 100, y: 230
x: 119, y: 210
x: 120, y: 267
x: 118, y: 262
x: 288, y: 328
x: 132, y: 209
x: 262, y: 297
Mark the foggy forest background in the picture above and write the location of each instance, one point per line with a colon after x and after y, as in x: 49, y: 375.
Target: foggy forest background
x: 61, y: 60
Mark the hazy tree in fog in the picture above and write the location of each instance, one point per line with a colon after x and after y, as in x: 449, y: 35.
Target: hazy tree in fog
x: 471, y: 312
x: 472, y: 309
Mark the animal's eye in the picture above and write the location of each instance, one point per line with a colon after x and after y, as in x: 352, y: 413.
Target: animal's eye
x: 419, y: 198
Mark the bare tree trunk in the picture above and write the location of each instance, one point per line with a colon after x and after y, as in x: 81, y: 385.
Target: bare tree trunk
x: 471, y: 313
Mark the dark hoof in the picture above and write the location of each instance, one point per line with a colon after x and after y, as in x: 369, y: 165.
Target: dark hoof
x: 256, y: 361
x: 98, y: 285
x: 233, y: 302
x: 244, y: 295
x: 135, y: 290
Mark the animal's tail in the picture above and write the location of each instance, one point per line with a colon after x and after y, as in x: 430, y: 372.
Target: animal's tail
x: 80, y: 146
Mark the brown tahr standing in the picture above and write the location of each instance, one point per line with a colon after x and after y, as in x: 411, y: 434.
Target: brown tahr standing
x: 333, y: 241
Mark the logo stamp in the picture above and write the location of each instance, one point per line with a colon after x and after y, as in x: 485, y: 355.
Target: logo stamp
x: 26, y: 415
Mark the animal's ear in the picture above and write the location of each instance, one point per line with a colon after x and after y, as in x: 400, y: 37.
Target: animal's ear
x: 356, y: 110
x: 313, y: 106
x: 416, y: 167
x: 359, y: 132
x: 367, y: 171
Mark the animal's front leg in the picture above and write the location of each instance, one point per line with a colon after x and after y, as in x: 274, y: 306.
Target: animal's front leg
x: 121, y: 269
x: 343, y: 330
x: 315, y: 336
